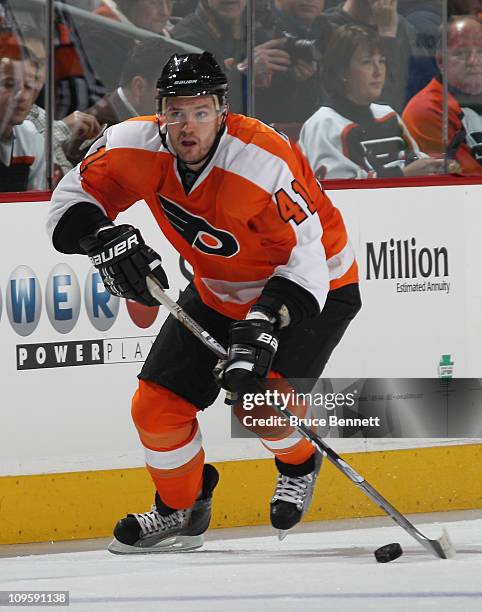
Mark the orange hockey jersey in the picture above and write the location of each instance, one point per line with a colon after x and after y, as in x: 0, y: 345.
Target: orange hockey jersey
x: 256, y: 210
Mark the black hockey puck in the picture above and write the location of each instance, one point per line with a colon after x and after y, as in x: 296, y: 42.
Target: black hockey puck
x: 389, y: 552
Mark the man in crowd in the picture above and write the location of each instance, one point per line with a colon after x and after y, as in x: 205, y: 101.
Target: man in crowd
x: 136, y: 92
x: 302, y: 33
x: 426, y: 18
x: 22, y: 156
x: 286, y: 79
x: 424, y: 113
x: 135, y: 95
x: 70, y: 131
x: 219, y: 26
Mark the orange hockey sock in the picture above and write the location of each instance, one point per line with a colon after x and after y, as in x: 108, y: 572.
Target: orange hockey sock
x: 169, y: 432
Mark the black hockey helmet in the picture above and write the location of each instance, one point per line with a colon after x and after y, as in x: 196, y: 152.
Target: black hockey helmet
x: 191, y: 74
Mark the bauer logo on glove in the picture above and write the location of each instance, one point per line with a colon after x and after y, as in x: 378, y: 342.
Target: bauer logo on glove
x: 124, y: 261
x: 108, y: 255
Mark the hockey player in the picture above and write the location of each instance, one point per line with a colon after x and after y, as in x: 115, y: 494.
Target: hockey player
x: 271, y: 260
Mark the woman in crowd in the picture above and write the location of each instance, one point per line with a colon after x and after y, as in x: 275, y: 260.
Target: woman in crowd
x: 354, y: 136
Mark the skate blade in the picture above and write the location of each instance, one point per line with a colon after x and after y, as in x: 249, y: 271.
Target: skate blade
x: 168, y: 545
x: 282, y: 533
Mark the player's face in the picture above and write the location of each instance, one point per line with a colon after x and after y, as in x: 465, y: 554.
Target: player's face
x: 192, y: 125
x: 229, y: 9
x: 306, y: 10
x: 464, y: 56
x: 366, y: 75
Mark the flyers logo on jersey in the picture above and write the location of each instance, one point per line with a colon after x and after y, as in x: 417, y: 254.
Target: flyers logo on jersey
x: 198, y: 232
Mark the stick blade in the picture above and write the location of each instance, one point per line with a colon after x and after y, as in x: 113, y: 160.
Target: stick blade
x: 442, y: 547
x: 446, y: 547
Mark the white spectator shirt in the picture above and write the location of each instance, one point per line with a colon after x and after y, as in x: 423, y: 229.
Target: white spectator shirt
x: 26, y: 144
x: 337, y: 147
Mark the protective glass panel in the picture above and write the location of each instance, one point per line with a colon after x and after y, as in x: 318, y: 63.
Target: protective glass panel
x: 361, y: 90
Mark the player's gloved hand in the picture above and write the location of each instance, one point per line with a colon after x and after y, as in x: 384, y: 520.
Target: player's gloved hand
x: 252, y: 347
x: 124, y: 261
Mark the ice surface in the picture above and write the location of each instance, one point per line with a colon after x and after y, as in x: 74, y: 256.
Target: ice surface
x: 322, y: 566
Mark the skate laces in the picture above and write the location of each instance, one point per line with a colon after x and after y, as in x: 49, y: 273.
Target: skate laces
x: 292, y: 489
x: 152, y: 521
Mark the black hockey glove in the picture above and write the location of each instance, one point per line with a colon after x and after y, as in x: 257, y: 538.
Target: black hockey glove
x: 252, y: 347
x: 124, y: 261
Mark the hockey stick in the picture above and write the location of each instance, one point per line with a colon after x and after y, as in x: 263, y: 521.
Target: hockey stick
x: 441, y: 547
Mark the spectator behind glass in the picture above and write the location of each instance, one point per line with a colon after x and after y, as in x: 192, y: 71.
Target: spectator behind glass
x: 219, y: 26
x: 184, y: 7
x: 10, y: 49
x: 136, y: 93
x: 22, y: 158
x: 398, y: 39
x: 352, y: 136
x: 150, y: 15
x: 301, y: 34
x: 426, y: 18
x: 76, y: 126
x: 464, y: 7
x: 423, y: 114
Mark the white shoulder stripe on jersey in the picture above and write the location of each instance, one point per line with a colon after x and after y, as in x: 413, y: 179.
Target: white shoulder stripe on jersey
x: 134, y: 135
x: 253, y: 163
x: 97, y: 144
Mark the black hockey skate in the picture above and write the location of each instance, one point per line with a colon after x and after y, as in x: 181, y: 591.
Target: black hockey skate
x: 165, y: 530
x: 293, y: 493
